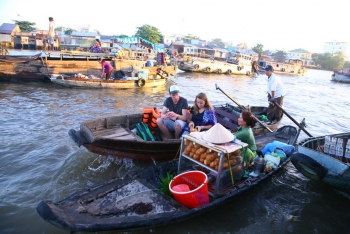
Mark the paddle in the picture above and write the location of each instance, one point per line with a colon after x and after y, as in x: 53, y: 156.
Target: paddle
x: 291, y: 118
x: 243, y: 108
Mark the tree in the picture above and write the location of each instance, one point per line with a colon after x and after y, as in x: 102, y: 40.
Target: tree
x: 149, y: 33
x: 280, y: 56
x: 123, y: 35
x: 189, y: 37
x: 218, y: 42
x: 25, y: 26
x: 67, y: 31
x: 329, y: 62
x: 259, y: 49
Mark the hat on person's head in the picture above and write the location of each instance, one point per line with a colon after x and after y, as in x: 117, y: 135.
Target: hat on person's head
x: 268, y: 68
x: 174, y: 89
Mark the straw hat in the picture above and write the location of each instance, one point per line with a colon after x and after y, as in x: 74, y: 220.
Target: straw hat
x: 218, y: 134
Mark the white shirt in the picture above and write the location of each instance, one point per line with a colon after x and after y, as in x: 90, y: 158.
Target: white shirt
x: 275, y: 84
x: 52, y: 29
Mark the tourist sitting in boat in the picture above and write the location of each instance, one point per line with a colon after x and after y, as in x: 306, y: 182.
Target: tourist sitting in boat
x: 174, y: 114
x: 202, y: 115
x: 244, y: 133
x: 96, y: 48
x: 106, y: 68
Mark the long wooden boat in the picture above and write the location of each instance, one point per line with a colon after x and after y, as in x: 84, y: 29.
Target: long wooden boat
x: 40, y: 67
x: 137, y: 200
x: 113, y: 135
x: 289, y: 67
x: 107, y: 84
x: 218, y: 66
x: 326, y: 159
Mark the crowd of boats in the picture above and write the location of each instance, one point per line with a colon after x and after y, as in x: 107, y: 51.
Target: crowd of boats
x: 138, y: 199
x: 131, y: 68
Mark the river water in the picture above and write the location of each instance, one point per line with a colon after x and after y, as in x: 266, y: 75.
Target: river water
x: 40, y: 162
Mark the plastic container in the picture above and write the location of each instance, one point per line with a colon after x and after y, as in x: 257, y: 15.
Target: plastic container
x: 143, y: 73
x: 273, y: 159
x: 198, y: 195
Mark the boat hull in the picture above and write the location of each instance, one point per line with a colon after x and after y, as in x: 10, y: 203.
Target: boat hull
x: 40, y: 67
x: 337, y: 172
x: 107, y: 84
x: 101, y: 136
x: 341, y: 78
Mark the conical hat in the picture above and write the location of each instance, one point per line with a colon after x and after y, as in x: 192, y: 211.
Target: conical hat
x: 218, y: 134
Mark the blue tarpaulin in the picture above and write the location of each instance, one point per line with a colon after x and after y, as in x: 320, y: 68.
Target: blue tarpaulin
x: 136, y: 40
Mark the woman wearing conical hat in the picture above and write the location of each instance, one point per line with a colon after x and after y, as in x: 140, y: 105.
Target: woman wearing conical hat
x: 244, y: 133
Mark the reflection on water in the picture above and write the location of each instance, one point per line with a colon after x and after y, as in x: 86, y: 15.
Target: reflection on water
x: 40, y: 161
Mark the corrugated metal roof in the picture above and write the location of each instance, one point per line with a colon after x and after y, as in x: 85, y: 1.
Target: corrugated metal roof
x: 7, y: 28
x: 300, y: 50
x: 84, y: 34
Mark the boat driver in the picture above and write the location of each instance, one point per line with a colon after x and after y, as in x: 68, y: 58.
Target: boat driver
x: 174, y: 114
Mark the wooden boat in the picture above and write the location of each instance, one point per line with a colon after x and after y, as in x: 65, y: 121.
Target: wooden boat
x: 126, y: 83
x: 341, y: 77
x: 113, y: 135
x: 136, y: 200
x: 218, y: 65
x: 289, y: 67
x: 41, y: 66
x: 326, y: 159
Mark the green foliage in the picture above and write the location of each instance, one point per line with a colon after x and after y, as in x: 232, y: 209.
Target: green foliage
x: 259, y: 49
x: 123, y: 35
x: 329, y: 62
x: 149, y: 33
x: 25, y: 26
x: 189, y: 37
x: 218, y: 42
x: 164, y: 183
x: 67, y: 31
x: 280, y: 56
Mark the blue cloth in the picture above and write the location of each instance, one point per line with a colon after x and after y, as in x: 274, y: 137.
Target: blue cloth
x: 270, y: 147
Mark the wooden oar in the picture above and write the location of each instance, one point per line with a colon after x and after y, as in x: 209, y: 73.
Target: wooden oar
x: 243, y: 108
x: 291, y: 118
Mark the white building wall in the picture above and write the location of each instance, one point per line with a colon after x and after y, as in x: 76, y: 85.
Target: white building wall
x: 335, y: 47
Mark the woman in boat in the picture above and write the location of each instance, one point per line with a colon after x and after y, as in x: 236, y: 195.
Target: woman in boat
x: 244, y: 133
x: 106, y: 68
x: 202, y: 115
x: 96, y: 48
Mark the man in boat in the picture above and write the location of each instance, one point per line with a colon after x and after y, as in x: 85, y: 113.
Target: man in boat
x: 51, y: 33
x: 174, y: 114
x: 276, y: 94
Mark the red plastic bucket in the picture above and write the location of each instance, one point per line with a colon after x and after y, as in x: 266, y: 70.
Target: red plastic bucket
x: 197, y: 181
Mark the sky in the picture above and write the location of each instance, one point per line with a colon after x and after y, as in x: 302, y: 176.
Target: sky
x: 276, y: 24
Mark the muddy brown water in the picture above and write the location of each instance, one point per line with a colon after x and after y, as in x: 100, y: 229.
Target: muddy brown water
x: 39, y: 161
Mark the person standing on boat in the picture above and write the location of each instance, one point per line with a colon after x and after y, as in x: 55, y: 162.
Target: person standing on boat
x: 51, y: 34
x: 276, y: 94
x: 244, y: 133
x: 202, y: 115
x: 106, y: 68
x: 174, y: 114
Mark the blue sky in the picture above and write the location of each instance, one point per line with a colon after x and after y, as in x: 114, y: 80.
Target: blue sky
x: 277, y: 24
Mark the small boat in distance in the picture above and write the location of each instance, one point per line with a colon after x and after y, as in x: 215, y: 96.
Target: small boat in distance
x: 235, y: 63
x: 325, y: 159
x: 341, y: 77
x: 114, y: 135
x: 289, y: 67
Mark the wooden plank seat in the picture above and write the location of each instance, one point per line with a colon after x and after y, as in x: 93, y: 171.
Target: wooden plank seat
x: 117, y: 132
x: 225, y: 118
